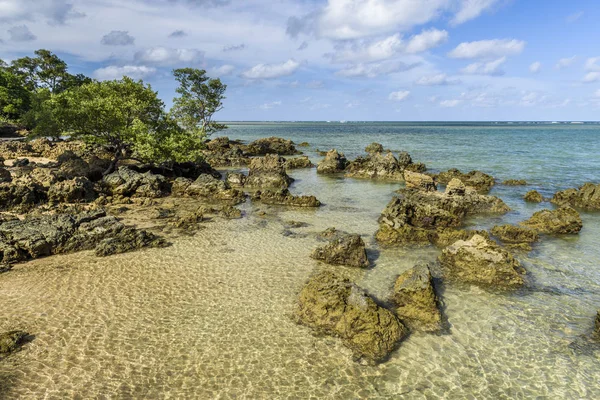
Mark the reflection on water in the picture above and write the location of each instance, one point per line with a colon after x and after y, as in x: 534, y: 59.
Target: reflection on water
x: 209, y: 316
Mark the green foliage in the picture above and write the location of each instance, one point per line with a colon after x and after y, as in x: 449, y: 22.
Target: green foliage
x: 14, y: 97
x: 46, y: 70
x: 199, y: 98
x: 46, y: 117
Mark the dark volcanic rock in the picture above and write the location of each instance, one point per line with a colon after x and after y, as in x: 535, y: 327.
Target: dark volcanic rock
x: 285, y: 198
x: 268, y: 172
x: 75, y: 190
x: 332, y: 305
x: 11, y: 341
x: 21, y: 197
x: 587, y: 196
x: 5, y: 176
x: 533, y: 196
x: 416, y: 300
x: 129, y: 183
x: 334, y: 162
x: 562, y: 220
x: 343, y: 249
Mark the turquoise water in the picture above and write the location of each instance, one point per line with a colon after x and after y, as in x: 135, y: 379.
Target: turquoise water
x: 209, y: 317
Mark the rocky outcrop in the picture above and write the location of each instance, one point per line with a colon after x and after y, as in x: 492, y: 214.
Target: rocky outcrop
x: 11, y: 341
x: 564, y: 220
x: 415, y: 180
x: 208, y: 188
x: 476, y: 179
x: 533, y: 196
x: 21, y: 197
x: 285, y: 198
x: 416, y: 301
x: 376, y: 166
x: 374, y: 148
x: 5, y: 176
x: 76, y: 190
x: 587, y: 197
x: 515, y: 235
x: 298, y: 162
x: 268, y: 172
x: 129, y: 183
x: 343, y: 249
x: 333, y: 163
x: 514, y: 182
x: 235, y: 179
x: 332, y: 305
x: 481, y: 261
x: 271, y: 145
x: 126, y: 240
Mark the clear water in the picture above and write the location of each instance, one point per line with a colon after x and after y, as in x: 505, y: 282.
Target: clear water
x: 209, y: 316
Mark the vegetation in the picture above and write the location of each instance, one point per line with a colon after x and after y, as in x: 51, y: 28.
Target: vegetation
x: 124, y: 115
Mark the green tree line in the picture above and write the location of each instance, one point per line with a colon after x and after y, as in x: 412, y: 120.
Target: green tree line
x: 40, y: 94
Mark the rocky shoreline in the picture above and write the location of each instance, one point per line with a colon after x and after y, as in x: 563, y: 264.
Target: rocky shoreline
x: 54, y: 199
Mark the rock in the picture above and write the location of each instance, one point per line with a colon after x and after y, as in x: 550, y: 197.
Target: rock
x: 332, y: 305
x: 298, y: 162
x: 22, y: 162
x: 514, y: 235
x: 75, y: 190
x: 232, y: 156
x: 271, y: 145
x: 404, y: 159
x: 409, y: 235
x: 72, y: 166
x: 598, y: 322
x: 376, y: 166
x: 587, y: 197
x: 304, y: 144
x: 21, y: 197
x: 235, y: 179
x: 126, y: 240
x: 416, y: 300
x: 343, y: 249
x: 561, y: 221
x: 268, y: 172
x: 533, y: 196
x: 481, y: 261
x: 11, y: 341
x: 415, y: 167
x: 415, y: 180
x: 374, y: 148
x: 455, y: 187
x: 480, y: 181
x: 333, y: 163
x: 514, y: 182
x: 209, y: 188
x: 285, y: 198
x: 5, y: 176
x: 129, y: 183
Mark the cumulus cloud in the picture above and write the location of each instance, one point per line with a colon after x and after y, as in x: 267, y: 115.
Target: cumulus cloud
x: 535, y: 67
x: 117, y: 38
x: 54, y: 11
x: 436, y: 80
x: 399, y: 96
x: 450, y: 103
x: 426, y: 40
x: 491, y: 68
x: 165, y: 56
x: 591, y: 64
x: 565, y: 62
x: 21, y: 33
x: 375, y: 69
x: 488, y: 48
x: 471, y: 9
x: 591, y: 77
x: 234, y: 47
x: 268, y: 106
x: 270, y: 71
x: 132, y: 71
x: 223, y: 70
x: 177, y: 34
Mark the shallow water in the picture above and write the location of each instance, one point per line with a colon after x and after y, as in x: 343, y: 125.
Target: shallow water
x: 209, y: 316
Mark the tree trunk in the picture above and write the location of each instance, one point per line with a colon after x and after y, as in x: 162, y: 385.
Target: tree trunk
x: 113, y: 164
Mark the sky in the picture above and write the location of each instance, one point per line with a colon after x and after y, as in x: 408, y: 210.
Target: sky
x: 366, y: 60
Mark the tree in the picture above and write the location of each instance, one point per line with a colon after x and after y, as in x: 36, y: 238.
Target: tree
x: 46, y: 116
x: 199, y: 99
x: 14, y: 96
x: 116, y: 113
x: 46, y: 70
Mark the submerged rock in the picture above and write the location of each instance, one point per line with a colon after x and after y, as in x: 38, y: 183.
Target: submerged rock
x: 533, y: 196
x: 11, y: 341
x: 343, y: 249
x: 416, y: 300
x: 268, y: 172
x: 480, y: 181
x: 514, y: 235
x: 415, y: 180
x: 515, y: 182
x: 587, y: 196
x: 271, y: 145
x: 334, y: 162
x: 561, y: 221
x: 332, y: 305
x: 285, y: 198
x: 481, y: 261
x: 126, y: 240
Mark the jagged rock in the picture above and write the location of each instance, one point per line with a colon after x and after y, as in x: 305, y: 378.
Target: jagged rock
x: 334, y: 162
x: 22, y: 162
x: 343, y: 249
x: 75, y: 190
x: 328, y: 234
x: 410, y: 235
x: 285, y: 198
x: 514, y: 235
x: 416, y: 300
x: 21, y: 197
x: 561, y: 221
x: 5, y: 176
x: 232, y: 157
x: 126, y: 240
x: 332, y: 305
x: 515, y: 182
x: 415, y: 167
x: 587, y: 196
x: 11, y: 341
x: 374, y: 148
x: 376, y: 166
x: 268, y: 172
x: 415, y: 180
x: 533, y: 196
x: 129, y: 183
x: 271, y: 145
x: 481, y: 261
x: 456, y: 187
x: 235, y: 179
x: 210, y: 188
x: 298, y: 162
x: 480, y: 181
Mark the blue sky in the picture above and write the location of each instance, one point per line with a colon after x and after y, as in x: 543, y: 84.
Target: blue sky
x: 335, y: 59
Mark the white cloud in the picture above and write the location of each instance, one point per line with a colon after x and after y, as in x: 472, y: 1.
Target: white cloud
x: 315, y: 85
x: 53, y: 11
x: 426, y: 40
x: 591, y: 77
x: 471, y: 9
x: 21, y: 33
x: 436, y: 80
x: 535, y: 67
x: 268, y: 106
x: 530, y: 99
x: 591, y: 64
x: 238, y: 47
x: 450, y: 103
x: 375, y: 69
x: 565, y: 62
x: 488, y: 48
x: 574, y: 17
x: 223, y: 70
x: 270, y: 71
x: 117, y: 38
x: 132, y: 71
x: 399, y: 96
x: 491, y: 68
x: 165, y: 56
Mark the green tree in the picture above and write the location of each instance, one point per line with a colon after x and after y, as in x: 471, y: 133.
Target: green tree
x: 46, y: 116
x: 199, y: 99
x: 14, y: 96
x: 46, y: 70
